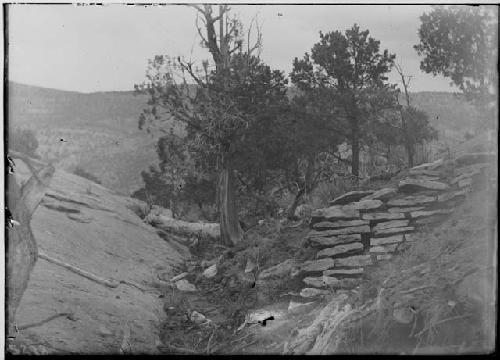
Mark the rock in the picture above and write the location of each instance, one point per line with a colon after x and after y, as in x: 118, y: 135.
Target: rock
x: 384, y: 248
x: 384, y: 257
x: 464, y: 183
x: 391, y: 224
x: 424, y: 172
x: 335, y: 240
x: 412, y: 185
x: 475, y: 158
x: 412, y: 200
x: 161, y: 211
x: 210, y: 272
x: 336, y: 212
x: 280, y: 270
x: 184, y: 285
x: 81, y: 218
x: 452, y: 195
x: 347, y: 283
x: 382, y: 194
x: 340, y: 249
x: 304, y: 211
x: 315, y: 281
x: 259, y: 316
x: 409, y: 237
x: 349, y: 197
x: 105, y: 331
x: 471, y: 168
x: 402, y: 313
x: 325, y: 225
x: 312, y: 292
x: 180, y: 276
x: 354, y: 261
x: 383, y: 216
x: 344, y: 231
x: 317, y: 265
x: 394, y: 230
x: 386, y: 240
x: 426, y: 177
x: 465, y: 176
x: 356, y: 271
x: 59, y: 207
x: 367, y: 204
x: 298, y: 307
x: 431, y: 165
x: 250, y: 266
x: 419, y: 214
x: 405, y: 209
x: 198, y: 318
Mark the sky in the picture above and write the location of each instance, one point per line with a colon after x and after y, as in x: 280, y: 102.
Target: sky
x: 104, y: 48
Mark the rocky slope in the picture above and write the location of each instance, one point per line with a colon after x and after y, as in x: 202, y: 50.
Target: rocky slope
x: 82, y: 225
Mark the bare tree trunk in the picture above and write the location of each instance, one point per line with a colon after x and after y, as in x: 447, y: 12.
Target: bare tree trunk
x: 290, y: 213
x: 22, y: 250
x: 230, y: 229
x: 355, y: 151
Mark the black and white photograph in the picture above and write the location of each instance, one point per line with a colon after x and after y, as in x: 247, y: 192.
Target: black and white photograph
x: 264, y: 178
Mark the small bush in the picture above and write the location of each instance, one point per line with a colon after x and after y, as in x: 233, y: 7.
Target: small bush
x: 84, y: 174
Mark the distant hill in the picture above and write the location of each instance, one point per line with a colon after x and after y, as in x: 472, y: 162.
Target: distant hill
x: 101, y: 135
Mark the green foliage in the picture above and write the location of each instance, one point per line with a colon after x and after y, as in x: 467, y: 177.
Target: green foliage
x: 418, y: 127
x: 85, y: 174
x: 461, y: 43
x: 24, y: 141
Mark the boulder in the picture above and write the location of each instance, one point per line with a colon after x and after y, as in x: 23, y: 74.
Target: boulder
x: 280, y: 270
x: 356, y: 271
x: 384, y: 248
x: 386, y: 240
x: 312, y: 292
x: 383, y: 216
x: 382, y: 194
x: 391, y: 231
x: 412, y: 200
x: 475, y: 158
x: 335, y: 240
x: 340, y: 249
x: 349, y: 197
x: 419, y: 214
x: 317, y: 265
x: 413, y: 185
x: 391, y: 224
x: 405, y: 209
x: 344, y: 231
x: 367, y: 204
x: 210, y: 272
x: 354, y: 261
x: 336, y: 212
x: 325, y: 225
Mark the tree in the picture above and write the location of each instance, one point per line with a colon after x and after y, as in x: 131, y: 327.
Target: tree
x: 461, y: 43
x: 220, y: 111
x: 350, y: 70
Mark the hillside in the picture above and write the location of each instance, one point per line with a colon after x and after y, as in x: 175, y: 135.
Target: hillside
x: 101, y: 135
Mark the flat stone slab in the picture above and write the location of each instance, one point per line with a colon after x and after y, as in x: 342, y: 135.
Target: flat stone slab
x: 391, y: 224
x: 347, y: 283
x: 412, y: 185
x: 430, y: 165
x: 383, y: 216
x: 367, y: 204
x: 356, y: 271
x: 317, y: 265
x: 335, y: 240
x: 336, y: 212
x: 382, y: 194
x: 426, y: 177
x: 350, y: 197
x: 317, y: 282
x: 386, y: 240
x: 326, y: 225
x: 420, y: 214
x: 384, y: 257
x: 279, y: 270
x: 452, y: 195
x: 405, y: 209
x: 392, y: 231
x: 354, y: 261
x: 475, y: 158
x: 384, y: 248
x: 344, y: 231
x: 412, y: 200
x: 312, y: 292
x: 340, y: 249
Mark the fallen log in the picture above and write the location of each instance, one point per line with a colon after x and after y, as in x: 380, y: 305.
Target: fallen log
x: 184, y: 228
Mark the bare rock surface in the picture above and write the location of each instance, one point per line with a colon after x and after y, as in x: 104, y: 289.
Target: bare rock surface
x: 354, y: 261
x: 383, y: 216
x: 386, y: 240
x: 382, y: 194
x: 412, y: 200
x: 395, y: 230
x: 325, y: 225
x: 317, y: 265
x: 340, y: 249
x: 391, y: 224
x: 349, y: 197
x: 364, y: 229
x: 413, y: 185
x: 336, y: 212
x: 335, y: 240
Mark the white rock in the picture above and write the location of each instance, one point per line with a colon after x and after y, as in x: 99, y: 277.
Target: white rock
x: 416, y: 185
x: 198, y: 318
x: 412, y: 201
x: 335, y: 240
x: 297, y: 307
x: 180, y: 276
x: 184, y: 285
x: 419, y: 214
x: 250, y: 266
x: 210, y: 272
